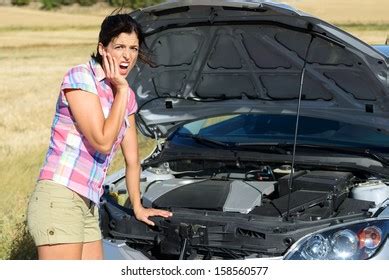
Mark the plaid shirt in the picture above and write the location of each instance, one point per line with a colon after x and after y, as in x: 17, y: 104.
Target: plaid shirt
x: 71, y: 160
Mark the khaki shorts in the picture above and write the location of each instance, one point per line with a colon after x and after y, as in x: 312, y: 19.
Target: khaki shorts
x: 58, y: 215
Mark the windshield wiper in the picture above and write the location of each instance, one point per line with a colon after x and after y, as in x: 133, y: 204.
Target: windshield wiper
x: 265, y: 146
x: 354, y: 151
x: 285, y: 148
x: 262, y: 147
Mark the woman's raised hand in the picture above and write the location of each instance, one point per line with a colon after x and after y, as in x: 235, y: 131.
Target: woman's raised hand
x: 111, y: 69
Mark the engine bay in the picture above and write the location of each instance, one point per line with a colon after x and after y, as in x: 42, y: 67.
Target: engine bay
x: 231, y: 210
x: 259, y: 189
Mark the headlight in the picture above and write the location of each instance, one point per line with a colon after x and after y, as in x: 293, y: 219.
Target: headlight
x: 352, y: 241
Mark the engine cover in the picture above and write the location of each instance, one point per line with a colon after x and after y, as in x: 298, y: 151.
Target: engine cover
x: 219, y: 195
x: 315, y: 195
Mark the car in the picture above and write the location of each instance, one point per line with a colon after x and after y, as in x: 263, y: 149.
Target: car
x: 272, y: 132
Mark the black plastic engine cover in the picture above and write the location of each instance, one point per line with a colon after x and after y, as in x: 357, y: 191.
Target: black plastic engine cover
x: 316, y: 194
x: 300, y: 201
x: 324, y: 181
x: 206, y: 195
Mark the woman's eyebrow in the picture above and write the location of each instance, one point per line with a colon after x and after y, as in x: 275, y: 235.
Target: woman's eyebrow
x: 122, y: 44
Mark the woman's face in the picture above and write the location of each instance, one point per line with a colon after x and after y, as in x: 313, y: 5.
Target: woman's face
x: 124, y: 48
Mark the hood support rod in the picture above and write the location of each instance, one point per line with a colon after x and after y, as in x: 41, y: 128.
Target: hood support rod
x: 290, y: 181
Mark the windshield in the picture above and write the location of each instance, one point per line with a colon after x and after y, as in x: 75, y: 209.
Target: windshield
x: 384, y: 49
x: 279, y: 129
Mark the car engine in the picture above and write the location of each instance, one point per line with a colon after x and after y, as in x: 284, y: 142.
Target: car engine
x: 237, y: 212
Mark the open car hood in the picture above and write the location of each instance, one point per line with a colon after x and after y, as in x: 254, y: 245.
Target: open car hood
x: 224, y: 57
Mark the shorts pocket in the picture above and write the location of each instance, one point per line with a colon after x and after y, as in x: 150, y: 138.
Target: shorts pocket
x: 37, y: 211
x: 40, y: 198
x: 59, y: 195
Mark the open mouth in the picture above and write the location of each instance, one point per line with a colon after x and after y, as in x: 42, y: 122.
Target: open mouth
x: 123, y: 66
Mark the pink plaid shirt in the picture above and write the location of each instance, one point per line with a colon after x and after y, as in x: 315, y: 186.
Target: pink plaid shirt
x: 71, y: 160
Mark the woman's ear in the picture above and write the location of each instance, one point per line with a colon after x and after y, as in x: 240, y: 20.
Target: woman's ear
x: 101, y: 49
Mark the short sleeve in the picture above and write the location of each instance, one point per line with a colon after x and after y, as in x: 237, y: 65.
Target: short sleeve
x: 132, y: 106
x: 79, y: 77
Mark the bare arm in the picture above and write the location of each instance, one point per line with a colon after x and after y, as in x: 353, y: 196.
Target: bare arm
x: 86, y: 108
x: 131, y: 157
x: 101, y: 133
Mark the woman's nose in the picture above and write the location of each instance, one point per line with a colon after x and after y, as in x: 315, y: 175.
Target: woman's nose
x: 126, y: 54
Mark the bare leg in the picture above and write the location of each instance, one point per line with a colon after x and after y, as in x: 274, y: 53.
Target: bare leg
x: 92, y: 250
x: 69, y: 251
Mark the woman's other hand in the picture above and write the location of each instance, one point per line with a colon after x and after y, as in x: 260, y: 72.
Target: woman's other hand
x: 143, y: 214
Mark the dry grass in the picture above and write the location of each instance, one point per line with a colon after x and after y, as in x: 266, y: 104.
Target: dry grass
x: 12, y: 17
x: 29, y: 87
x: 367, y: 20
x: 345, y: 11
x: 36, y: 49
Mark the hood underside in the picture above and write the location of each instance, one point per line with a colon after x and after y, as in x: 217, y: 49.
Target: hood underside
x: 218, y: 57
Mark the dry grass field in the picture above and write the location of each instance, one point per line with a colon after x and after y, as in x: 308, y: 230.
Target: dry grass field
x: 345, y: 11
x: 368, y: 20
x: 36, y: 49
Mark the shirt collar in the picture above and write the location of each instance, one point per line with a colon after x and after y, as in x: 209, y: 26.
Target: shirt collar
x: 97, y: 70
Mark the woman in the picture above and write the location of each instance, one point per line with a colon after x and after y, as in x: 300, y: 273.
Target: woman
x: 94, y: 115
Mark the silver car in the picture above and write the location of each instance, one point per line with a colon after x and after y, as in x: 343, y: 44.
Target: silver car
x: 272, y: 131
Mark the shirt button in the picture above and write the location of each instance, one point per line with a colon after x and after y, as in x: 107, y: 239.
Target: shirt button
x: 51, y: 232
